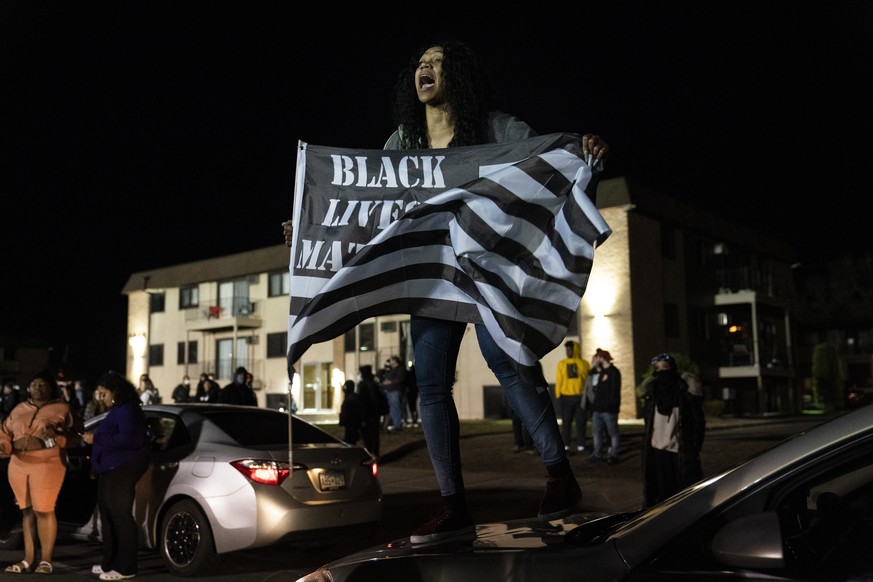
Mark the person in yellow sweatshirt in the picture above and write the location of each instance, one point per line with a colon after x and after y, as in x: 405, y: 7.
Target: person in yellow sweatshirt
x: 569, y: 387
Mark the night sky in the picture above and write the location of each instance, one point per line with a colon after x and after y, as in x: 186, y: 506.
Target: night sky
x: 138, y: 135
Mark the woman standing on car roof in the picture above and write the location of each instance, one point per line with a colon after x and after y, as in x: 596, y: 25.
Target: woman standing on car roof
x: 34, y: 434
x: 119, y: 458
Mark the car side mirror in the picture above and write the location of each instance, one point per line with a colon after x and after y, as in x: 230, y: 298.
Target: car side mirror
x: 752, y: 541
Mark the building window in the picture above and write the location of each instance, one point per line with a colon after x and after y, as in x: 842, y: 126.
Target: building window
x: 189, y: 297
x: 192, y: 353
x: 366, y: 337
x: 156, y: 355
x: 156, y: 302
x: 349, y: 343
x: 280, y: 284
x: 277, y: 344
x: 671, y: 320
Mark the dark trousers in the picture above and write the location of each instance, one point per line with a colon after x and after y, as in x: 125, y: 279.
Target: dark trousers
x: 661, y: 476
x: 370, y: 434
x: 115, y: 494
x: 572, y: 411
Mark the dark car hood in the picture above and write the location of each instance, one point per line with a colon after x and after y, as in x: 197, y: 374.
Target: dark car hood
x: 517, y: 550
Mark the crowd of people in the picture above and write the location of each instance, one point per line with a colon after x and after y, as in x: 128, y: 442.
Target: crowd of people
x: 386, y: 401
x: 37, y: 424
x: 42, y: 419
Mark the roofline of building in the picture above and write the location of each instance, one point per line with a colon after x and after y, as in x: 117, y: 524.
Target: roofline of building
x: 264, y: 260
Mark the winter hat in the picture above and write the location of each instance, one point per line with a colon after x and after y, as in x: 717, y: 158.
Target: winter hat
x: 603, y: 354
x: 663, y: 358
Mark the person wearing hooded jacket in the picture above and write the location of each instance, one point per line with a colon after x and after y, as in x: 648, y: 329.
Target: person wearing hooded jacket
x: 603, y: 399
x: 675, y: 426
x: 374, y: 403
x: 238, y: 391
x: 570, y: 378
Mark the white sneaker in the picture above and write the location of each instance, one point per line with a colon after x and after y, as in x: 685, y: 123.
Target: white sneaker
x: 96, y: 569
x: 113, y: 575
x: 579, y: 449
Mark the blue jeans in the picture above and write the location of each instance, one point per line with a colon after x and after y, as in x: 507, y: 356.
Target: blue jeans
x: 608, y: 422
x: 436, y: 343
x: 395, y: 412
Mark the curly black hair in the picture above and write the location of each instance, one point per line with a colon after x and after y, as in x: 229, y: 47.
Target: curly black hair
x: 467, y: 89
x: 122, y: 389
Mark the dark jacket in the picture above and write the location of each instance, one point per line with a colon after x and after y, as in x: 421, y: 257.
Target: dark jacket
x: 121, y: 438
x: 181, y: 393
x: 235, y: 393
x: 395, y: 379
x: 372, y: 397
x: 607, y: 391
x: 666, y: 392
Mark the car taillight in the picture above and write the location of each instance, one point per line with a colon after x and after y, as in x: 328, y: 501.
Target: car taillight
x: 266, y: 472
x: 374, y: 468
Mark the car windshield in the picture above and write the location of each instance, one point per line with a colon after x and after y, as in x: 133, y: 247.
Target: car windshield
x: 256, y: 428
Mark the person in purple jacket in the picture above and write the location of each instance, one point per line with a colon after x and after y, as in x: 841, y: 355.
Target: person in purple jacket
x: 119, y: 457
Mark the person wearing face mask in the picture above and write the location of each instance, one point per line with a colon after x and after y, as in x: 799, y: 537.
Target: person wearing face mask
x: 238, y: 391
x: 674, y: 430
x: 602, y: 399
x: 182, y: 392
x: 34, y: 435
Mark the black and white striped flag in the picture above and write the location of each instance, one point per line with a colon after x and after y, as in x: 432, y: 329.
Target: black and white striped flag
x: 499, y: 234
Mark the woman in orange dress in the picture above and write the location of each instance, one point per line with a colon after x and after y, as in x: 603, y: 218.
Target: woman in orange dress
x: 34, y: 434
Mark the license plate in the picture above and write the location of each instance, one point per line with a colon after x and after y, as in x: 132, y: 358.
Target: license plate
x: 330, y: 480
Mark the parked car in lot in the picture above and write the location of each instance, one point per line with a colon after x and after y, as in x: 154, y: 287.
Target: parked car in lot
x: 799, y: 510
x: 221, y: 479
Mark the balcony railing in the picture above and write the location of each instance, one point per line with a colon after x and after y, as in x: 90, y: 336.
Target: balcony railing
x: 237, y: 307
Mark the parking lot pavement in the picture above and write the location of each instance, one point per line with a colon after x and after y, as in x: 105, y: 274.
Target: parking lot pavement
x: 490, y: 464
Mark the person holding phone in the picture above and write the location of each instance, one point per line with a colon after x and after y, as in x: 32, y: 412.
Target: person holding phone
x: 119, y: 457
x: 34, y: 435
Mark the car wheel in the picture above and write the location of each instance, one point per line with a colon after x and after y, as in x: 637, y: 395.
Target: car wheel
x: 187, y: 547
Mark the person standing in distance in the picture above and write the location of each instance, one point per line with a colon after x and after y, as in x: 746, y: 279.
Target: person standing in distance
x: 443, y: 98
x: 182, y: 391
x: 372, y: 399
x: 351, y: 415
x: 394, y: 384
x: 148, y: 391
x: 570, y: 378
x: 238, y: 391
x: 603, y: 395
x: 673, y: 438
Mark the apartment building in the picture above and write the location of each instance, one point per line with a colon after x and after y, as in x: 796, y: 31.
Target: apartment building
x: 670, y: 278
